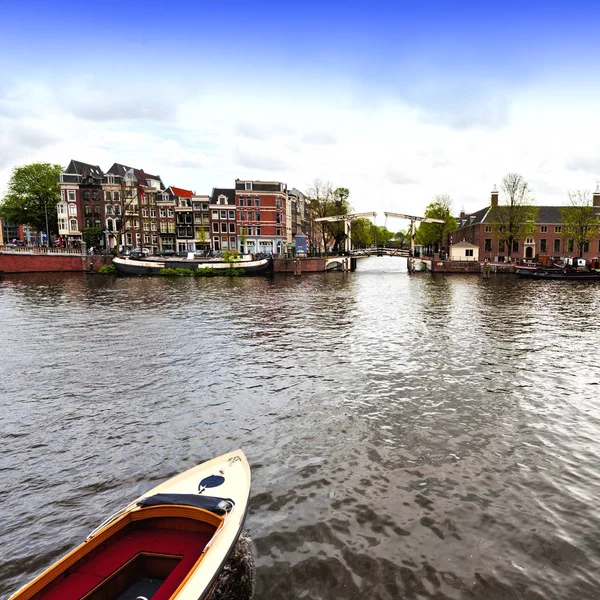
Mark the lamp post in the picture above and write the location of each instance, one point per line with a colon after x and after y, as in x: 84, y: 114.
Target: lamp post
x: 47, y: 230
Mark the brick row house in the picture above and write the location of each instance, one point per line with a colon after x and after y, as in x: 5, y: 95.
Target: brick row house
x: 262, y: 214
x: 130, y: 204
x: 547, y: 240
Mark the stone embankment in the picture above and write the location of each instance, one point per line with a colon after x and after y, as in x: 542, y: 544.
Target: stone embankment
x: 23, y: 260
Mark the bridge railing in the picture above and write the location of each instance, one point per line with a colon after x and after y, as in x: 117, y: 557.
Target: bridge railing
x: 10, y: 248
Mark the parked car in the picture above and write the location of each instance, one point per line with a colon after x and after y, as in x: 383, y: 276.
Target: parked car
x: 167, y: 253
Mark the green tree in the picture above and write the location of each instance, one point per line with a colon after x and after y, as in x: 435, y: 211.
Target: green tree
x: 341, y: 207
x: 92, y: 236
x: 515, y: 217
x: 327, y: 202
x: 581, y: 220
x: 381, y: 235
x: 433, y: 235
x: 401, y: 239
x: 362, y: 233
x: 33, y: 193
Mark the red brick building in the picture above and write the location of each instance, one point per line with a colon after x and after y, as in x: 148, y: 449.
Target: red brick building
x: 261, y: 215
x: 547, y: 240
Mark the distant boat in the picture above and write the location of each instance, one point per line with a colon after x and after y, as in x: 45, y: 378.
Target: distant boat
x: 169, y: 544
x: 574, y: 269
x: 154, y: 266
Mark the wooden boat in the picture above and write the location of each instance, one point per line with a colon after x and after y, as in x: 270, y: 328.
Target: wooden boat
x: 134, y: 266
x: 169, y: 544
x: 572, y: 269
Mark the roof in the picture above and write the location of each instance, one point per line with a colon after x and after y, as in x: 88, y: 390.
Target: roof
x: 180, y: 192
x: 464, y: 244
x: 546, y: 215
x: 141, y: 176
x: 227, y: 192
x: 77, y: 167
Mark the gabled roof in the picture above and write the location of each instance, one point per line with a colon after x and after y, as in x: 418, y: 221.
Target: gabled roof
x: 547, y: 215
x: 474, y: 218
x: 140, y: 175
x: 77, y: 167
x: 180, y: 192
x: 227, y: 192
x: 464, y: 244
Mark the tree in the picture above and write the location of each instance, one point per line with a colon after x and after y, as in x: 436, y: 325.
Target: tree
x: 362, y: 233
x: 341, y: 207
x: 581, y: 220
x: 433, y: 235
x: 322, y: 205
x: 401, y: 239
x: 92, y: 236
x: 515, y: 218
x: 381, y: 235
x: 33, y: 193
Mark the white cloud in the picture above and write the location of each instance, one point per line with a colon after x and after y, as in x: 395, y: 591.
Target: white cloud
x: 389, y: 153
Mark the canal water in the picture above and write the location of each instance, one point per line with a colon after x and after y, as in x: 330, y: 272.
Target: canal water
x: 409, y: 437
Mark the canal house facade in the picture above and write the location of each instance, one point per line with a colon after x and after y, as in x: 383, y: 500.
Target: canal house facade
x: 134, y: 209
x: 547, y: 241
x: 262, y: 215
x: 223, y: 222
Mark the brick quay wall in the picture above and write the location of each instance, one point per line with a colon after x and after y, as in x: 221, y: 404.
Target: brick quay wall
x: 23, y: 262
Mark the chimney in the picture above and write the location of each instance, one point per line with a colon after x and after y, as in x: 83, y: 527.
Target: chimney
x: 494, y: 197
x: 596, y: 197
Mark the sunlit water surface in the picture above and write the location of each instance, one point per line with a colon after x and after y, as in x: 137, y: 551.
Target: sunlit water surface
x: 409, y: 437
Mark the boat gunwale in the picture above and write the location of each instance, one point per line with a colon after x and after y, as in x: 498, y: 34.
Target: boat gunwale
x: 135, y: 514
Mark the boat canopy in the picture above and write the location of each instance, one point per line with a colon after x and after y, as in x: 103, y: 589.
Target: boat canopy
x: 218, y: 506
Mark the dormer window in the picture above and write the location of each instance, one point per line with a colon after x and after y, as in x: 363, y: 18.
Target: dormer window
x: 222, y: 200
x: 248, y: 186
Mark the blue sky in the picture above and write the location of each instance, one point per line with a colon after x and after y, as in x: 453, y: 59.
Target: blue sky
x: 398, y: 101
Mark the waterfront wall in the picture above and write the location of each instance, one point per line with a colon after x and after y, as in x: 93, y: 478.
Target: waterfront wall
x: 307, y: 265
x: 22, y: 262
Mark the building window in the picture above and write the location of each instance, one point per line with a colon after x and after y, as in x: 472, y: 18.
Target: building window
x: 488, y: 229
x: 116, y: 196
x: 215, y: 215
x: 88, y: 222
x: 256, y: 201
x: 501, y: 246
x: 231, y: 227
x: 73, y: 225
x: 107, y: 196
x: 544, y: 228
x: 278, y: 231
x: 171, y: 212
x: 258, y: 231
x: 163, y: 228
x: 488, y: 245
x: 153, y: 226
x: 278, y: 202
x: 232, y: 242
x: 215, y: 227
x: 529, y: 241
x: 87, y: 209
x: 468, y: 252
x: 146, y: 239
x: 556, y: 246
x: 216, y: 243
x: 558, y: 229
x: 72, y: 195
x: 223, y: 227
x: 249, y: 230
x: 242, y: 216
x: 543, y: 245
x: 586, y: 246
x: 241, y: 201
x: 570, y: 246
x: 257, y: 216
x: 163, y: 212
x: 231, y: 214
x: 109, y: 209
x: 278, y: 218
x: 153, y: 212
x: 248, y: 186
x: 223, y: 214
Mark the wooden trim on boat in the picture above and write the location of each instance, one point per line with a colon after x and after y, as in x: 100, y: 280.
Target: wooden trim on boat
x: 176, y: 512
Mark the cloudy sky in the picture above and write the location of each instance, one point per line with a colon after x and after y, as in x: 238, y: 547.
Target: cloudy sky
x: 397, y: 101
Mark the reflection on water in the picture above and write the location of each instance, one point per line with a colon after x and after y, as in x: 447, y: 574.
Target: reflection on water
x: 410, y: 437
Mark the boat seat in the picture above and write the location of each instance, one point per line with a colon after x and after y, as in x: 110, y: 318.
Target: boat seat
x: 185, y: 544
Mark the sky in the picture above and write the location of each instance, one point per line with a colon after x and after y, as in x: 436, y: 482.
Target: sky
x: 397, y: 101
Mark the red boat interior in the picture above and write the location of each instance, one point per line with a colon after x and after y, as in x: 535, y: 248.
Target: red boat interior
x: 150, y: 558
